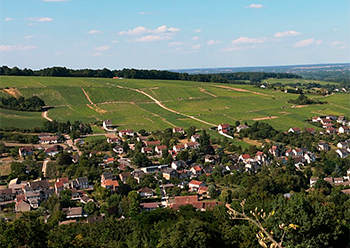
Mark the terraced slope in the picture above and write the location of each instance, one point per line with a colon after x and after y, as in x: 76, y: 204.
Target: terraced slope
x: 158, y: 104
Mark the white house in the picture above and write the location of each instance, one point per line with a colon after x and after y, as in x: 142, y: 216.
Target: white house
x: 241, y: 127
x: 194, y: 185
x: 125, y: 132
x: 343, y: 129
x: 343, y: 153
x: 178, y: 148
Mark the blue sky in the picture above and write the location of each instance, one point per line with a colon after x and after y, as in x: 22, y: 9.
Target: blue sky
x: 175, y: 34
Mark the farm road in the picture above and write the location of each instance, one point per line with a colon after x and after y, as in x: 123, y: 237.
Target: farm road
x: 163, y: 106
x: 44, y: 114
x: 46, y: 161
x: 242, y: 90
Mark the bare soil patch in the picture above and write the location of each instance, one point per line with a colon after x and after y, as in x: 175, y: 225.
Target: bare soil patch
x: 265, y: 118
x: 12, y: 92
x: 241, y: 90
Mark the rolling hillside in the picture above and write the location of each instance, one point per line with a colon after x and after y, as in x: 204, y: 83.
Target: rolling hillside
x: 158, y: 104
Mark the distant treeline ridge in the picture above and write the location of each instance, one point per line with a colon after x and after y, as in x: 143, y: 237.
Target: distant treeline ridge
x: 237, y: 77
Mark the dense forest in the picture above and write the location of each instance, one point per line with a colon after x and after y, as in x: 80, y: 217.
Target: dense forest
x: 23, y: 104
x: 238, y: 77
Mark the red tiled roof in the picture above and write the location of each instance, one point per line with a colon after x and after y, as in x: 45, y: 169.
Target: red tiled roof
x: 148, y: 149
x: 63, y: 180
x: 59, y: 184
x: 195, y: 182
x: 179, y: 146
x: 178, y: 129
x: 192, y: 143
x: 160, y: 148
x: 245, y: 156
x: 110, y: 182
x: 49, y: 138
x: 224, y: 126
x: 152, y: 143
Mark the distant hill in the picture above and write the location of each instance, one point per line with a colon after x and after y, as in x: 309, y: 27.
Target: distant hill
x: 296, y: 69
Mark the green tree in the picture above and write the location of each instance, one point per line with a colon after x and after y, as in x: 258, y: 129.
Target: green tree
x: 90, y: 208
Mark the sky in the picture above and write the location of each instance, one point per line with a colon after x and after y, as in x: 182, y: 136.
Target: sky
x: 178, y: 34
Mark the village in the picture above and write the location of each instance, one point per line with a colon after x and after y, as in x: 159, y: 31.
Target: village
x: 189, y: 161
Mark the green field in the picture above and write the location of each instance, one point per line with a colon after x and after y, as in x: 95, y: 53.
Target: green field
x: 119, y: 101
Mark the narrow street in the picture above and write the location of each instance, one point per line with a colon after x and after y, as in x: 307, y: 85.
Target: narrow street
x: 70, y: 143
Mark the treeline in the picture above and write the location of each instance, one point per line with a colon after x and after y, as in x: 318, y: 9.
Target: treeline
x: 23, y: 104
x: 263, y: 130
x: 66, y: 127
x: 255, y: 76
x: 341, y: 77
x: 74, y: 129
x: 304, y: 100
x: 238, y: 77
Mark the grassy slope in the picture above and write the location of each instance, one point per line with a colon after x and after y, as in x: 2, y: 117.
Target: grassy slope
x: 131, y: 109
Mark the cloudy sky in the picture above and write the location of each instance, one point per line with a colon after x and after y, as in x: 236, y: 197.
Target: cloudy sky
x: 174, y: 34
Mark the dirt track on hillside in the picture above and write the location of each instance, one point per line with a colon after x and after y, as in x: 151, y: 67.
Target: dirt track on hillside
x: 164, y: 107
x: 241, y: 90
x: 45, y: 115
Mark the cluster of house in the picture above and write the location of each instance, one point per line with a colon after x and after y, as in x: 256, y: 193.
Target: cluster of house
x: 300, y: 155
x: 343, y: 148
x: 225, y: 128
x: 329, y: 124
x: 29, y: 150
x: 29, y: 195
x: 336, y: 181
x: 45, y: 138
x: 154, y: 146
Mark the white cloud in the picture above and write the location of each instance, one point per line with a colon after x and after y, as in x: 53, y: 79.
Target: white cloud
x: 28, y: 36
x: 232, y: 48
x: 212, y: 42
x: 254, y: 6
x: 58, y: 53
x: 195, y: 38
x: 307, y: 42
x: 335, y: 30
x: 197, y: 30
x: 94, y: 31
x: 286, y: 33
x: 246, y: 40
x: 16, y: 48
x: 338, y: 43
x: 8, y: 19
x: 174, y: 29
x: 144, y: 30
x: 149, y: 38
x: 115, y: 41
x: 176, y: 43
x: 97, y: 54
x: 102, y: 48
x: 244, y: 43
x: 40, y: 19
x: 196, y: 47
